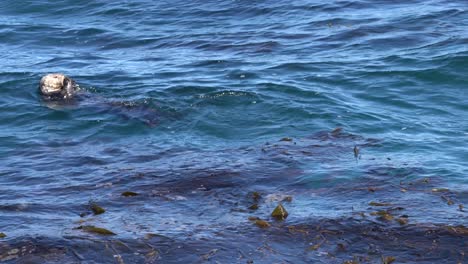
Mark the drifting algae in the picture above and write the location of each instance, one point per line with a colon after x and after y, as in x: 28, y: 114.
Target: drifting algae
x: 259, y: 222
x: 96, y: 209
x: 379, y: 204
x: 350, y: 233
x: 262, y: 223
x: 383, y: 215
x: 96, y: 230
x: 280, y: 212
x: 388, y: 259
x: 129, y: 194
x: 253, y: 207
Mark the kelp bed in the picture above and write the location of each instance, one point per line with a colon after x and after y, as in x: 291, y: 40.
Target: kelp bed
x: 321, y: 199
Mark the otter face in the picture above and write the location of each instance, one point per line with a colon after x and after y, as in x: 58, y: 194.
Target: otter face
x: 57, y: 86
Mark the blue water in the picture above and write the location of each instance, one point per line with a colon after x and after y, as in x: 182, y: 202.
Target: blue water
x: 186, y: 103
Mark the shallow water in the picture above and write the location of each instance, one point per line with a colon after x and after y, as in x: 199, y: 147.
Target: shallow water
x: 186, y: 104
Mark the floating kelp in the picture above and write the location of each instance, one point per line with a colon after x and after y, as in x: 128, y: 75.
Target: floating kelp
x: 448, y: 200
x: 129, y: 194
x: 383, y: 215
x: 253, y: 218
x: 259, y: 222
x: 459, y: 230
x: 318, y: 245
x: 388, y: 260
x: 262, y: 223
x: 280, y: 212
x: 2, y: 235
x: 151, y: 256
x: 402, y: 220
x: 379, y: 204
x: 10, y: 255
x: 253, y: 207
x: 261, y: 183
x: 118, y: 258
x: 336, y: 131
x: 256, y: 196
x: 341, y: 247
x: 96, y: 230
x: 298, y: 229
x: 354, y: 261
x: 96, y: 209
x: 210, y: 254
x: 150, y: 236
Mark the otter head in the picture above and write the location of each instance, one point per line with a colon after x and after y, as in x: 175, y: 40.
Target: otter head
x: 57, y: 86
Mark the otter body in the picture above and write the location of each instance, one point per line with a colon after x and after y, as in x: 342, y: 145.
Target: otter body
x: 61, y: 92
x: 57, y: 86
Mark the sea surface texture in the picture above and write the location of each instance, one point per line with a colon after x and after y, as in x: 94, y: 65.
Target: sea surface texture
x: 196, y: 119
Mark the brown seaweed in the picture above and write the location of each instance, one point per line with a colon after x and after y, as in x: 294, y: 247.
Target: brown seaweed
x: 354, y: 261
x: 253, y: 207
x: 402, y: 220
x: 388, y: 260
x: 256, y: 196
x: 318, y: 245
x: 280, y: 212
x: 383, y: 215
x: 379, y: 204
x: 458, y: 230
x: 448, y: 200
x: 97, y: 209
x: 262, y: 223
x: 253, y: 218
x: 129, y: 194
x: 96, y: 230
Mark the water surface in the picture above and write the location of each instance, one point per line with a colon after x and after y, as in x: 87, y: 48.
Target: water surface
x: 207, y: 108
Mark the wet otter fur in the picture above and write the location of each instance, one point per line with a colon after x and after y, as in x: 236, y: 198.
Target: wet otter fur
x: 57, y: 86
x: 61, y: 92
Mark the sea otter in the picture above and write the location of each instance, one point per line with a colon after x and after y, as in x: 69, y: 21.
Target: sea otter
x: 57, y: 86
x: 61, y: 92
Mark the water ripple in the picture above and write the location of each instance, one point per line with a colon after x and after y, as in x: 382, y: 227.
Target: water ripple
x: 198, y: 105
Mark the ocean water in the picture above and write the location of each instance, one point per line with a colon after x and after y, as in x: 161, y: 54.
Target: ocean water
x: 351, y: 114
